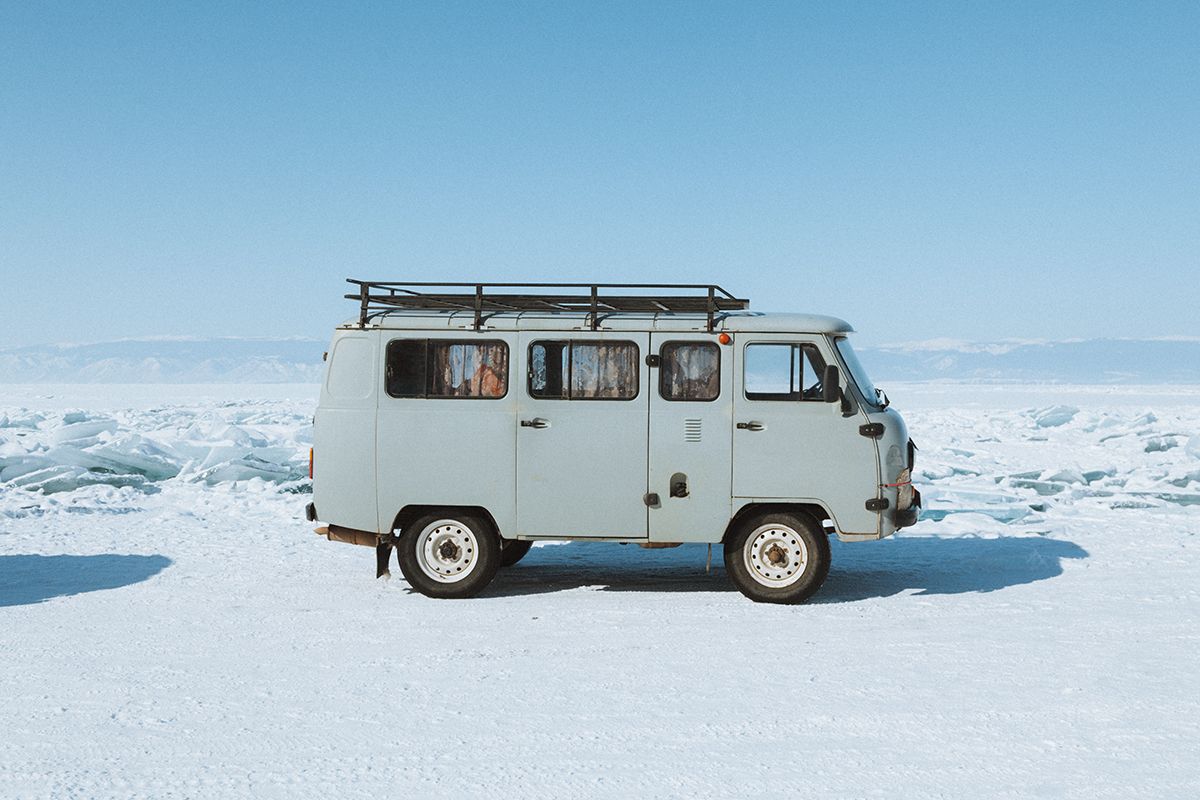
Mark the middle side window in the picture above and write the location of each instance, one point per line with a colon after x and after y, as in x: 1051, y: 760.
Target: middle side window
x: 565, y: 370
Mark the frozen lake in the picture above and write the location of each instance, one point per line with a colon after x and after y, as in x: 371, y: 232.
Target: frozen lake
x: 173, y: 628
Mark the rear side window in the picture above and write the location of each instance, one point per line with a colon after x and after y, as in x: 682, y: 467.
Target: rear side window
x: 563, y: 370
x: 447, y: 368
x: 352, y: 369
x: 784, y: 372
x: 689, y: 371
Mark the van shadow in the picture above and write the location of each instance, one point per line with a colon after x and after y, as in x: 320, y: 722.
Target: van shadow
x: 925, y: 565
x: 930, y: 565
x: 30, y: 579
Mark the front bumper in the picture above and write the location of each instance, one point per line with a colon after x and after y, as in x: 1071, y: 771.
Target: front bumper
x: 910, y: 515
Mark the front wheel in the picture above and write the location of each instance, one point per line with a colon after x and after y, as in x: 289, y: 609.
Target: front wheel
x: 449, y: 554
x: 778, y: 558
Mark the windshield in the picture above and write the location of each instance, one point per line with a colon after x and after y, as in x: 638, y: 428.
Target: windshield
x: 856, y: 371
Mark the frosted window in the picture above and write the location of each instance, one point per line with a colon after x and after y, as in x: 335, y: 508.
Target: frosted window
x: 690, y: 371
x: 351, y: 369
x: 583, y: 370
x: 431, y: 368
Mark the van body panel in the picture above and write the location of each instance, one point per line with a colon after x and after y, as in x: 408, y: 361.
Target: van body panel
x: 804, y: 451
x: 447, y: 451
x: 691, y: 444
x: 344, y: 488
x: 581, y: 464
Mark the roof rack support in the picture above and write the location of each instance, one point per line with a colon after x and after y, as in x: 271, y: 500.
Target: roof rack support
x: 481, y: 298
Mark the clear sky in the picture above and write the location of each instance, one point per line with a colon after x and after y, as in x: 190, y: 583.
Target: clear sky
x: 967, y: 170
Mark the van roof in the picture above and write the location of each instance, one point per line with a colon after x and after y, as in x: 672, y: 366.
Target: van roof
x: 747, y: 321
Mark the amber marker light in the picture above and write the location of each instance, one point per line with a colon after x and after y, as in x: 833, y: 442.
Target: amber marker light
x: 310, y: 463
x: 724, y: 338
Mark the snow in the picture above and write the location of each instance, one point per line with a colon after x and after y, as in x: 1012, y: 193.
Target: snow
x: 173, y: 628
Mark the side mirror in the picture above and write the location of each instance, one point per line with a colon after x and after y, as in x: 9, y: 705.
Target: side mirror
x: 832, y: 392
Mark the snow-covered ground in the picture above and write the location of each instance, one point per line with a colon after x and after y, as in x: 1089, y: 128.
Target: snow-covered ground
x: 173, y: 628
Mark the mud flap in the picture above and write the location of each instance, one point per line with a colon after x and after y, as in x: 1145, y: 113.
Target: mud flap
x: 383, y: 554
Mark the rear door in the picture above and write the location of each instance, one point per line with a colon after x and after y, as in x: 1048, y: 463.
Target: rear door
x: 582, y: 435
x: 344, y: 434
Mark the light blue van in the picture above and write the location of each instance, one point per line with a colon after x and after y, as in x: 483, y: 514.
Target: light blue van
x: 458, y: 424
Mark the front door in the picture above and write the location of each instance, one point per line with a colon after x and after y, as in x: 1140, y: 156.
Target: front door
x: 582, y: 435
x: 790, y: 445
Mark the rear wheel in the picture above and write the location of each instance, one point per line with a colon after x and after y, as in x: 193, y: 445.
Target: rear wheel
x: 778, y: 557
x: 514, y: 551
x: 449, y: 554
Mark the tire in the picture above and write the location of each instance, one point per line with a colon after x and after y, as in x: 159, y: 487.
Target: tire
x: 449, y: 555
x: 778, y: 557
x: 514, y: 551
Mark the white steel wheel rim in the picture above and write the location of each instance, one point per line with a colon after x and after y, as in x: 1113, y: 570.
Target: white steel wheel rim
x: 447, y: 551
x: 775, y: 556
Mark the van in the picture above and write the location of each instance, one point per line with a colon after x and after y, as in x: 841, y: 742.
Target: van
x: 460, y: 423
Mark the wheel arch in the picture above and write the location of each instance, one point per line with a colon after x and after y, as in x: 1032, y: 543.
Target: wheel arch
x: 752, y: 510
x: 411, y: 512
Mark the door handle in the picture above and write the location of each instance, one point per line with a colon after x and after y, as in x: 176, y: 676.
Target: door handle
x: 752, y: 425
x: 536, y: 422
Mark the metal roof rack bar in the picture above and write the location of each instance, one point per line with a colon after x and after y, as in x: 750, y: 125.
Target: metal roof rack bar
x: 596, y: 300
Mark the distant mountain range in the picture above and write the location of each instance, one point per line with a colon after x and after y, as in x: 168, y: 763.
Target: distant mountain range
x: 295, y: 360
x: 167, y: 360
x: 1091, y: 361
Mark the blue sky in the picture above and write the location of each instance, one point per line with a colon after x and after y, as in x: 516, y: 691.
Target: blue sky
x: 963, y: 170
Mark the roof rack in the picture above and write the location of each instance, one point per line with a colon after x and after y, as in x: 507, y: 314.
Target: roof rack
x: 594, y: 298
